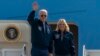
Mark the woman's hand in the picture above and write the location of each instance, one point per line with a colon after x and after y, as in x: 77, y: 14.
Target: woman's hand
x: 50, y: 54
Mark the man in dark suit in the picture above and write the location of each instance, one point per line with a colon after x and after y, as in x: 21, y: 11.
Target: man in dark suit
x: 40, y: 32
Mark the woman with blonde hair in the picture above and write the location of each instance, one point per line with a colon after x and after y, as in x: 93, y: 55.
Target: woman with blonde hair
x: 63, y: 39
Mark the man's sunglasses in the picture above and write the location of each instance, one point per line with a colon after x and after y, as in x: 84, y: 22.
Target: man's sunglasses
x: 43, y: 15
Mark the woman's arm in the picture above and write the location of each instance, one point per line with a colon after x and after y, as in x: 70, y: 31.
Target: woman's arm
x: 50, y: 48
x: 72, y: 47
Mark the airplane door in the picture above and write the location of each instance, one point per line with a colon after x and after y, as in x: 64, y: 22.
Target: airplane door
x: 15, y: 38
x: 74, y: 30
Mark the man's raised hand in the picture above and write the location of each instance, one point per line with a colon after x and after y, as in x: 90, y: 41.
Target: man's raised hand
x: 35, y: 6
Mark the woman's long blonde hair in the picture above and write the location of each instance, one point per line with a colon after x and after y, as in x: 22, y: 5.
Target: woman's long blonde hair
x: 65, y: 23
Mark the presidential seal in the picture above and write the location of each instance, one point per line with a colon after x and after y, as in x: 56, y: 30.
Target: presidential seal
x: 11, y: 33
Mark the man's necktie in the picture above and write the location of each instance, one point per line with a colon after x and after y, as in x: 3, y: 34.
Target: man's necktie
x: 44, y: 27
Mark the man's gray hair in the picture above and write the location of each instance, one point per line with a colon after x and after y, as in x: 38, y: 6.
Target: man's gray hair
x: 43, y: 10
